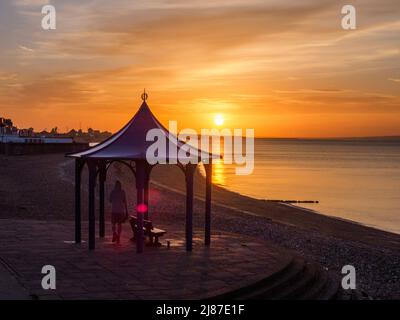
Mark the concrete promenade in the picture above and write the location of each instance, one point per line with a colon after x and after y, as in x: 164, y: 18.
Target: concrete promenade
x: 118, y: 272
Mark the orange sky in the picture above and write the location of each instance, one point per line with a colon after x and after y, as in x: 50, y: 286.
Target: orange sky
x: 284, y: 68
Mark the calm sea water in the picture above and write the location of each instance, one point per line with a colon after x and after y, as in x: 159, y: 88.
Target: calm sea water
x: 357, y: 180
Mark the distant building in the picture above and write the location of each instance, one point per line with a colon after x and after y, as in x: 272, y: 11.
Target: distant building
x: 11, y: 134
x: 14, y: 141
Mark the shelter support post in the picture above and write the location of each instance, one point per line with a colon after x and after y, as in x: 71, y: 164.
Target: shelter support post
x: 78, y: 228
x: 92, y: 218
x: 207, y: 227
x: 102, y: 179
x: 146, y: 191
x: 140, y: 182
x: 189, y: 175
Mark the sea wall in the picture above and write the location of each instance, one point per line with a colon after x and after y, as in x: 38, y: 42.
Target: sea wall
x: 40, y: 148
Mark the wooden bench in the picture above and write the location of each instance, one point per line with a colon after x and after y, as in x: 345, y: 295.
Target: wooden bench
x: 148, y: 230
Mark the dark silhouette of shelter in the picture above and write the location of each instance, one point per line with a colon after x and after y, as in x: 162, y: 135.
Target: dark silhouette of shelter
x: 128, y: 146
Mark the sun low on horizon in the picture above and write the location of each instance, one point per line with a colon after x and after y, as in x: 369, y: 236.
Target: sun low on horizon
x: 219, y: 119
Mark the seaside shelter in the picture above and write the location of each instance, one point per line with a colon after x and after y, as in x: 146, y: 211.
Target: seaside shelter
x: 129, y: 147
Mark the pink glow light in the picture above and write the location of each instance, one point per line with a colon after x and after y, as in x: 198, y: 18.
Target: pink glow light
x: 141, y: 208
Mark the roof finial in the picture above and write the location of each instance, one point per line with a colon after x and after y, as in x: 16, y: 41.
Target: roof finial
x: 144, y: 95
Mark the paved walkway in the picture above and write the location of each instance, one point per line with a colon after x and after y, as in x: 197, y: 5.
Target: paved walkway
x: 117, y: 272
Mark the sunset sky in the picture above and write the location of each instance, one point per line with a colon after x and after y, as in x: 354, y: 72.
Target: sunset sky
x: 284, y: 68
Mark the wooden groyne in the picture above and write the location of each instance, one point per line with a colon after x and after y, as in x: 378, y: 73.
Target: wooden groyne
x: 292, y: 201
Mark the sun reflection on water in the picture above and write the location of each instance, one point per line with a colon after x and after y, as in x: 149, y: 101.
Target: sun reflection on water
x: 218, y: 174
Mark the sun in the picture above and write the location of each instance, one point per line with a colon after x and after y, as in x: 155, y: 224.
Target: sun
x: 219, y: 119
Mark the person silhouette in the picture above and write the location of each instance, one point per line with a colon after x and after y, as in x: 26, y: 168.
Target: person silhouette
x: 119, y: 211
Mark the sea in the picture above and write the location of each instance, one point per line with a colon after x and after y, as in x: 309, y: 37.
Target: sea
x: 353, y: 179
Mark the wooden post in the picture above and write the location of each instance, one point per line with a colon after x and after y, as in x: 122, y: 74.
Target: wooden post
x: 189, y: 173
x: 146, y: 191
x: 140, y: 180
x: 102, y: 179
x: 92, y: 217
x: 78, y: 228
x: 207, y: 229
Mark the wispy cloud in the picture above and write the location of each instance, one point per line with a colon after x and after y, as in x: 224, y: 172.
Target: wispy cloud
x: 24, y: 48
x: 30, y: 3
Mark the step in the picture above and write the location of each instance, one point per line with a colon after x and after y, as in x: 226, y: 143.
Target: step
x: 320, y: 282
x: 296, y: 280
x: 277, y: 284
x: 303, y: 283
x: 243, y: 291
x: 330, y: 290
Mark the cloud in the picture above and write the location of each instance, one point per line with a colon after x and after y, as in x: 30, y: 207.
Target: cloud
x: 7, y: 76
x: 30, y: 3
x: 23, y: 48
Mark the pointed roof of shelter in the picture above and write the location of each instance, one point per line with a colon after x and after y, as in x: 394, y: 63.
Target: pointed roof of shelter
x: 129, y: 143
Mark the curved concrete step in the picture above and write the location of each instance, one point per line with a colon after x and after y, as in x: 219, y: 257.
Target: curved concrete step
x: 330, y: 290
x: 320, y: 282
x: 241, y: 292
x: 299, y: 280
x: 272, y: 286
x: 294, y: 289
x: 10, y: 287
x: 352, y: 295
